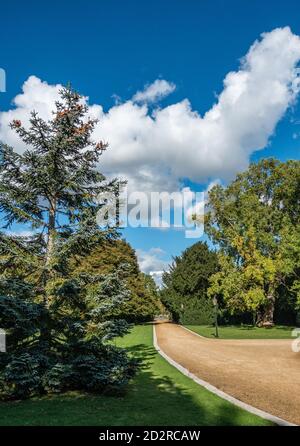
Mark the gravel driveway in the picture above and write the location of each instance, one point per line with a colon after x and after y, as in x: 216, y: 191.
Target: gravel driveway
x: 263, y: 373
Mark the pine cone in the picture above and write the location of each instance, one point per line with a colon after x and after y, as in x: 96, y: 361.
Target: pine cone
x: 101, y: 145
x: 62, y: 114
x: 17, y: 123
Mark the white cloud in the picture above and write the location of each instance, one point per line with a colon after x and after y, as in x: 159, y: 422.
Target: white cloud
x: 23, y: 233
x: 36, y: 95
x: 154, y: 150
x: 158, y: 251
x: 155, y: 91
x: 152, y: 262
x: 157, y: 276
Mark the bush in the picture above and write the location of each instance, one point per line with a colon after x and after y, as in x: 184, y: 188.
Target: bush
x: 197, y: 311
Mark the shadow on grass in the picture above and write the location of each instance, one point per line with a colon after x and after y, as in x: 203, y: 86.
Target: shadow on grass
x: 159, y: 395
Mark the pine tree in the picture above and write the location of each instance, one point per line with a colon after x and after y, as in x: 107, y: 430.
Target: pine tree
x: 56, y: 321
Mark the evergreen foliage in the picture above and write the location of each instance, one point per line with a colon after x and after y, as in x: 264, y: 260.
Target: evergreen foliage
x: 185, y: 285
x: 58, y: 322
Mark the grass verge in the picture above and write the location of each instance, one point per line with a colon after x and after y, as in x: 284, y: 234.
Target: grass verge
x: 159, y: 395
x: 243, y: 332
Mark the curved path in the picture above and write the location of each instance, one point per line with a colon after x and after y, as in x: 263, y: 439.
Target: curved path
x: 262, y: 373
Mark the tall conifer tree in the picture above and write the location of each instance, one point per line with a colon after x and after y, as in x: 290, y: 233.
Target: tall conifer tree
x: 56, y: 321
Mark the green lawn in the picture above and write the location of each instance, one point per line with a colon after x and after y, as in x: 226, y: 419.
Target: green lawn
x: 159, y: 395
x: 243, y: 332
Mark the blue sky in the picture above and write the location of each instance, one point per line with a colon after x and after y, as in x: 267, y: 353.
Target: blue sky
x: 110, y: 49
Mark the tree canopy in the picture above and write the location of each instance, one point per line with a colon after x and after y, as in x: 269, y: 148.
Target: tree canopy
x: 255, y: 223
x: 185, y: 285
x: 143, y: 303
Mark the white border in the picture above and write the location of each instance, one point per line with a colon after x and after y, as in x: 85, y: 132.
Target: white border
x: 194, y: 333
x: 218, y: 392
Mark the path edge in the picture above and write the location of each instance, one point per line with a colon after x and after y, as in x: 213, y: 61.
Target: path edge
x: 194, y: 333
x: 225, y: 396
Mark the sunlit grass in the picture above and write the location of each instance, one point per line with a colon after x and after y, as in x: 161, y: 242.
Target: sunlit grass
x: 159, y: 395
x: 243, y: 332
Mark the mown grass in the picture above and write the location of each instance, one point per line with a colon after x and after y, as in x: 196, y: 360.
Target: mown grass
x: 159, y: 395
x: 243, y: 332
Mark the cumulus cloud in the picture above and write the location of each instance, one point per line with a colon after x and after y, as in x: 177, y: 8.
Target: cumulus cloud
x: 155, y: 149
x: 36, y: 95
x: 152, y: 262
x: 155, y: 91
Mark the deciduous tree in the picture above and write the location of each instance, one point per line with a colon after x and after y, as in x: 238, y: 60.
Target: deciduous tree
x: 255, y: 222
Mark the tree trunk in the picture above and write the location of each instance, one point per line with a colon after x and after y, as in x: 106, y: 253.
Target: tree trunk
x: 266, y: 315
x: 50, y: 244
x: 51, y: 232
x: 45, y: 329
